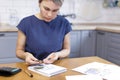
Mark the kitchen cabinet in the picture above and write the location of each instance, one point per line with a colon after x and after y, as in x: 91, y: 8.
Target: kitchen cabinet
x: 88, y: 43
x: 113, y: 48
x: 7, y: 47
x: 82, y: 43
x: 75, y: 42
x: 101, y: 44
x: 108, y: 46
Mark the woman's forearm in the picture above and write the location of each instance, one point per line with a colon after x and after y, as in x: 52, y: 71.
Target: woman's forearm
x: 63, y: 53
x: 21, y: 54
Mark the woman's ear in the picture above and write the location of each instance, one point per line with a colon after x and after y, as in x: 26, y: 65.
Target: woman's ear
x: 39, y: 5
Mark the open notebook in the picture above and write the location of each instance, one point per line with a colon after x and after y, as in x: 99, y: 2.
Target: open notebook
x: 47, y: 69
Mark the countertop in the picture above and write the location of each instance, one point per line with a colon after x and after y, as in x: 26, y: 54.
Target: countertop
x: 8, y: 29
x: 115, y: 29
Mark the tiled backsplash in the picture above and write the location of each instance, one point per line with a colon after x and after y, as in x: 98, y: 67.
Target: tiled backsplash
x: 12, y: 11
x: 87, y: 11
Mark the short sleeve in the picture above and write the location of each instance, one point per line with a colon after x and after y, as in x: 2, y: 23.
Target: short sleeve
x: 68, y: 27
x: 22, y: 26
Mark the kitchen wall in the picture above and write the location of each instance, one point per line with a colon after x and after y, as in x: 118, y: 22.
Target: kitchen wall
x: 87, y: 11
x: 12, y: 11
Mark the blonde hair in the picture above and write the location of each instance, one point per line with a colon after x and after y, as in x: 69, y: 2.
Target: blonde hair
x: 58, y: 2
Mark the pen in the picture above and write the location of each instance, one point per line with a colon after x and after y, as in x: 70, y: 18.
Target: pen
x: 28, y: 73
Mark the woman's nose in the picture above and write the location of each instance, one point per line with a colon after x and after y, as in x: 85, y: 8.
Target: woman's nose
x: 49, y: 14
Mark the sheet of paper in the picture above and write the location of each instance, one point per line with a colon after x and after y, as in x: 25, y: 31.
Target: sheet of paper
x: 106, y: 71
x: 83, y: 77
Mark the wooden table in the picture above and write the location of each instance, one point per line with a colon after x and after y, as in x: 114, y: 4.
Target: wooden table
x: 69, y: 63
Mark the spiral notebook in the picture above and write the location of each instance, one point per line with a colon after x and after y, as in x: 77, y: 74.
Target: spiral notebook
x: 47, y: 69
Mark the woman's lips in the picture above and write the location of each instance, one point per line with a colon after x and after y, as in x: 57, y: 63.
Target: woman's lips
x: 48, y: 19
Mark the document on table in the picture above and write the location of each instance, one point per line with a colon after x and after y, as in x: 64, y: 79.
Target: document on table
x: 83, y: 77
x: 47, y: 69
x: 106, y: 71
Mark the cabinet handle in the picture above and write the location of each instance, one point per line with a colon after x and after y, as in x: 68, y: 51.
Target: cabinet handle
x: 101, y: 33
x: 2, y: 35
x: 90, y: 34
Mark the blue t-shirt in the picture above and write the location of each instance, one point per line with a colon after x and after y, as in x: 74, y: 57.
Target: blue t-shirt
x: 42, y: 37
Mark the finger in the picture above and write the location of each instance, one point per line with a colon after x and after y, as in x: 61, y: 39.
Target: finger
x: 47, y: 61
x: 40, y: 61
x: 30, y: 61
x: 34, y: 62
x: 34, y: 59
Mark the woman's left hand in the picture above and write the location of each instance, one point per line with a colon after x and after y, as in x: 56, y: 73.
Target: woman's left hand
x: 51, y: 58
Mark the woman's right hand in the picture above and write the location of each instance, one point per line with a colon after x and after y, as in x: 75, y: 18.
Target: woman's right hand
x: 30, y: 59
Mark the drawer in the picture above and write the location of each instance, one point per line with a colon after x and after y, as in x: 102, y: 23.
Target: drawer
x: 113, y: 60
x: 114, y: 35
x: 114, y: 53
x: 5, y: 34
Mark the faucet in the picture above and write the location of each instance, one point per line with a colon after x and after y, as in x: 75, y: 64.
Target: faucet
x: 73, y: 16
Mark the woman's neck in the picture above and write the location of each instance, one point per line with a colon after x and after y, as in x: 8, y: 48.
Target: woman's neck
x: 38, y: 15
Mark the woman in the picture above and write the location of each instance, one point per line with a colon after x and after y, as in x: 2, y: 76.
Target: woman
x: 44, y: 37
